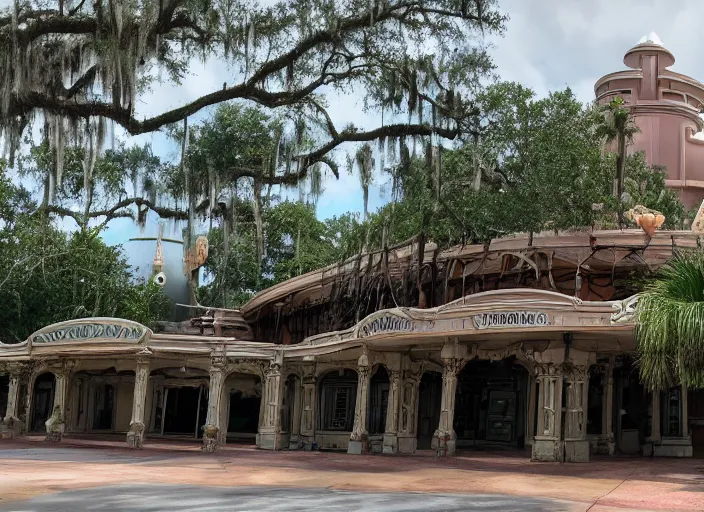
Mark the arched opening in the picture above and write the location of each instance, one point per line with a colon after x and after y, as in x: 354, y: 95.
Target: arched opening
x: 429, y: 401
x: 491, y: 404
x: 42, y: 401
x: 4, y: 391
x: 100, y: 400
x: 180, y: 402
x: 378, y: 401
x: 338, y: 394
x: 245, y: 400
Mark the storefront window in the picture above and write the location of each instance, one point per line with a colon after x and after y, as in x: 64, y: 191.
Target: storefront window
x: 671, y: 412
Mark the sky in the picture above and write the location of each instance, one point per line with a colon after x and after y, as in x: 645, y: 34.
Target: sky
x: 548, y: 45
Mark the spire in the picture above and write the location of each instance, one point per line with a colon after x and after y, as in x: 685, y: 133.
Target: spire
x: 158, y: 265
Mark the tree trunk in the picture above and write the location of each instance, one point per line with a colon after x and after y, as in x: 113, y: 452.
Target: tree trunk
x: 620, y: 175
x: 259, y: 225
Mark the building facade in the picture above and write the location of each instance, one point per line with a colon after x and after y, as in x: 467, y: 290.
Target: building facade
x: 502, y: 356
x: 666, y: 106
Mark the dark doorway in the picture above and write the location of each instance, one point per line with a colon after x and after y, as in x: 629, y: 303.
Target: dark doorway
x: 186, y: 410
x: 104, y: 400
x: 378, y: 401
x: 4, y: 390
x: 42, y: 401
x: 429, y: 397
x: 632, y: 409
x: 338, y: 395
x: 289, y: 403
x: 490, y: 404
x: 244, y: 413
x: 595, y: 402
x: 695, y: 414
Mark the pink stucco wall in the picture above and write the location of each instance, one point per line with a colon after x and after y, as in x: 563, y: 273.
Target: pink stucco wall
x: 666, y: 107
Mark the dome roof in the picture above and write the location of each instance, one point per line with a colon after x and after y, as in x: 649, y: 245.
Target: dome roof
x: 649, y: 45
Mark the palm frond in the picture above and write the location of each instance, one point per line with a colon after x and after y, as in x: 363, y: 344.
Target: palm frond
x: 670, y: 324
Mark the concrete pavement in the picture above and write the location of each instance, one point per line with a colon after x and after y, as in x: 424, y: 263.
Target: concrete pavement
x: 103, y: 474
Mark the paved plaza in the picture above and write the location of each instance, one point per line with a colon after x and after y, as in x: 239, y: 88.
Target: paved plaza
x: 100, y: 475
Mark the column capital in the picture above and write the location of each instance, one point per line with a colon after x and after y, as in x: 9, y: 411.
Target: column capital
x: 547, y: 370
x: 62, y: 369
x: 576, y: 373
x: 143, y: 361
x: 218, y: 363
x: 452, y: 365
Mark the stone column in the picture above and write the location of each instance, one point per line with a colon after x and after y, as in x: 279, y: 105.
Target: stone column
x: 576, y: 444
x: 547, y: 445
x: 532, y: 403
x: 270, y: 437
x: 12, y: 423
x: 213, y: 427
x: 308, y: 406
x: 135, y: 436
x: 392, y: 413
x: 56, y: 424
x: 408, y: 410
x: 444, y: 437
x: 359, y: 442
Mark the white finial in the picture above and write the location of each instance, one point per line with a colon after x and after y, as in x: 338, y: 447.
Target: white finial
x: 652, y: 37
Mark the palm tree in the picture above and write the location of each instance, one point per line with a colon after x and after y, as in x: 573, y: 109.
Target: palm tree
x: 618, y: 125
x: 670, y: 324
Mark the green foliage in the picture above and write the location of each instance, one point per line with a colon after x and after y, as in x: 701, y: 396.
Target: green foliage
x: 645, y: 185
x: 670, y: 324
x: 48, y: 276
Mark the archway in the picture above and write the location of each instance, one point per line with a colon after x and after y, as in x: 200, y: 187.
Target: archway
x: 100, y: 400
x: 491, y: 404
x: 244, y: 402
x: 429, y: 402
x: 42, y: 401
x: 180, y: 401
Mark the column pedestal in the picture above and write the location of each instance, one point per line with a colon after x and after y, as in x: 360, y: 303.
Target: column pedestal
x: 136, y: 433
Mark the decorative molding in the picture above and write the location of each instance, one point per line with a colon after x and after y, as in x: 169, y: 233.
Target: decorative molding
x: 103, y: 329
x: 624, y: 311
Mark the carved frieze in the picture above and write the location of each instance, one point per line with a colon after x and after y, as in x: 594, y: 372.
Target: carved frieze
x: 98, y: 329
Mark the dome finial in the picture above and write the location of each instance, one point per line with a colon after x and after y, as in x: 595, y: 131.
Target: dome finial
x: 651, y: 38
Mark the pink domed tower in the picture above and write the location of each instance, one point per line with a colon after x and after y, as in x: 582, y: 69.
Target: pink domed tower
x: 666, y: 107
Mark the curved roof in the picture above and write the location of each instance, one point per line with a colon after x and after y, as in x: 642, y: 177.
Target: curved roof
x: 592, y: 250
